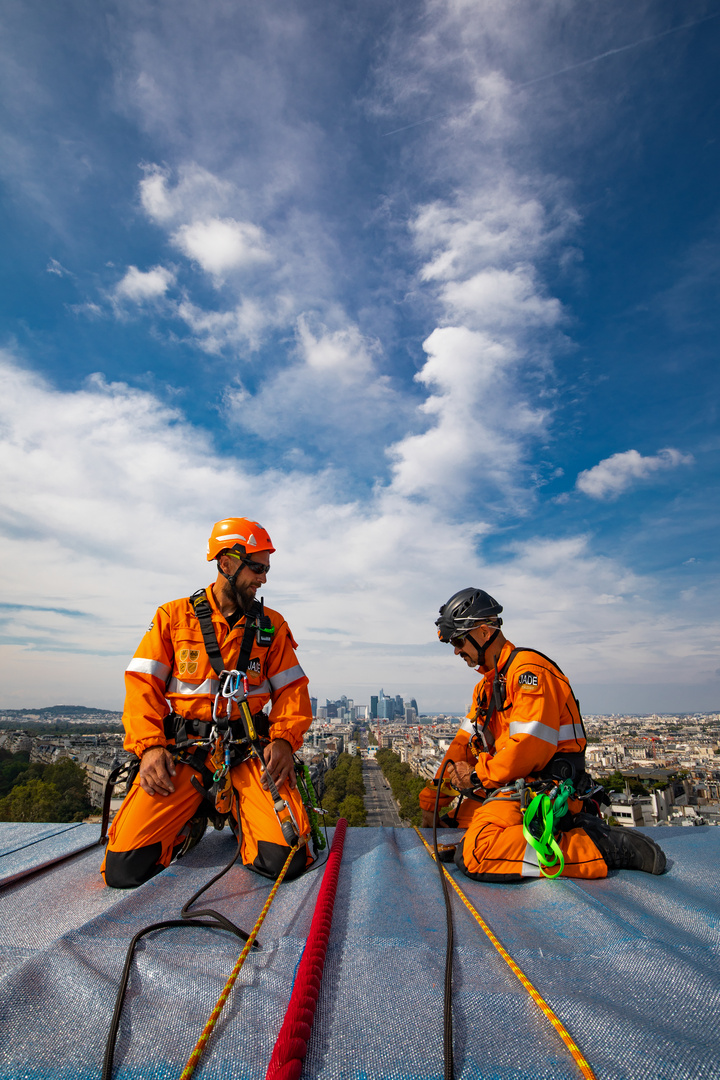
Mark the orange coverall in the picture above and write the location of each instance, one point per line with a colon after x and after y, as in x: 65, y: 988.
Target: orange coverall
x: 171, y: 671
x: 539, y: 720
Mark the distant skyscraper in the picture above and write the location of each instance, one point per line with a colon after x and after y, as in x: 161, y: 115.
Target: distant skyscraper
x: 313, y: 705
x: 373, y: 706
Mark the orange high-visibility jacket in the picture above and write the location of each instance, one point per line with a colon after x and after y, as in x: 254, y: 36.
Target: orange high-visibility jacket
x: 171, y: 671
x: 539, y: 720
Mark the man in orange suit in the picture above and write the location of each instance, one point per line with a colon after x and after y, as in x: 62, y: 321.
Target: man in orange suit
x: 524, y: 724
x: 171, y: 687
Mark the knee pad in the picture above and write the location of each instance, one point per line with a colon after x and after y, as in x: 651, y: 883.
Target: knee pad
x: 270, y: 860
x: 128, y: 869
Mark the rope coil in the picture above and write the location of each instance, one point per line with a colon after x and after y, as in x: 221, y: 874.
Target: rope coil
x: 291, y: 1045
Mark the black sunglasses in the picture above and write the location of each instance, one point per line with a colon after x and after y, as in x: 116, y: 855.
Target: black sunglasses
x: 255, y: 567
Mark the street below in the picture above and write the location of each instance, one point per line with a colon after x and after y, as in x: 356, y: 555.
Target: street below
x: 379, y: 802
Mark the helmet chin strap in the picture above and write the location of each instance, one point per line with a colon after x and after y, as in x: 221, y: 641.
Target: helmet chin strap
x: 482, y: 649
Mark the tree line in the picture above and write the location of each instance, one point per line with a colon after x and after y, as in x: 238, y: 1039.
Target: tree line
x: 344, y: 790
x: 406, y: 785
x: 38, y: 792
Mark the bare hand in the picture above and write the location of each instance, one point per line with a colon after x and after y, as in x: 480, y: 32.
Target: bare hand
x: 156, y: 769
x: 462, y: 775
x: 279, y: 761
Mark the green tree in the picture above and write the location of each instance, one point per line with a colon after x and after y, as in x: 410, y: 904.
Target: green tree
x: 13, y: 767
x: 344, y: 790
x: 56, y: 792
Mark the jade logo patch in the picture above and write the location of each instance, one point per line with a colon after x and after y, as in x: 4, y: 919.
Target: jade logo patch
x: 527, y: 679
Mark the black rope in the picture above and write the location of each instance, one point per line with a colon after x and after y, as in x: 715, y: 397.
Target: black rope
x: 449, y: 1065
x: 219, y: 922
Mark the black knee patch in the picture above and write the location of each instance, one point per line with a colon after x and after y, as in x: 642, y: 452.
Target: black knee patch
x: 270, y: 860
x: 498, y: 879
x: 128, y: 869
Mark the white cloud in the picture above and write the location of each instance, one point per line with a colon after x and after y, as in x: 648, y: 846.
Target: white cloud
x: 140, y: 285
x: 223, y: 244
x: 609, y: 478
x: 479, y: 425
x: 343, y: 354
x: 332, y: 399
x: 55, y: 267
x: 108, y: 495
x: 197, y: 193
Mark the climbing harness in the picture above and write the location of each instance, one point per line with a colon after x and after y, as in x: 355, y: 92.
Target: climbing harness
x: 578, y: 1057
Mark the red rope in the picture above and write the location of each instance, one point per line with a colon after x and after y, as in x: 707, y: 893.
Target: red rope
x: 291, y: 1046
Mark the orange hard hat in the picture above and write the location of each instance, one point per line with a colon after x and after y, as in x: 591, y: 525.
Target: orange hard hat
x: 237, y: 534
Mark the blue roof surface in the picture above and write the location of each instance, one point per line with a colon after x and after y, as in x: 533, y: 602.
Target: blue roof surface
x: 630, y: 964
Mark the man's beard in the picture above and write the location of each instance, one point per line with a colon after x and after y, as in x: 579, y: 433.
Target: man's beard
x: 245, y: 598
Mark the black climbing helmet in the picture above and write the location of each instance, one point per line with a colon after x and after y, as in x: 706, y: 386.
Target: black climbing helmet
x: 465, y: 610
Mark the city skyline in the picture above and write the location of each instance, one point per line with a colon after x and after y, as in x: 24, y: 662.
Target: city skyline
x: 429, y: 290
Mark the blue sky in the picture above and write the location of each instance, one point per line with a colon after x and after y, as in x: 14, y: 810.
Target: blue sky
x: 430, y: 290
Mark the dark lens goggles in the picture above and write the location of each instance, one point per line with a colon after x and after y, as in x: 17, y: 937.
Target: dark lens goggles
x: 255, y: 567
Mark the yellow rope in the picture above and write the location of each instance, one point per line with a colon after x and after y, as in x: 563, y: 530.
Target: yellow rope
x: 555, y: 1020
x: 215, y: 1014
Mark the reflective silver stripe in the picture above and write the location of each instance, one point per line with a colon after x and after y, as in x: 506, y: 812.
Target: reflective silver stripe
x: 530, y: 866
x: 284, y: 678
x: 149, y: 667
x: 263, y: 688
x: 210, y: 686
x: 534, y: 727
x: 570, y: 732
x: 467, y: 725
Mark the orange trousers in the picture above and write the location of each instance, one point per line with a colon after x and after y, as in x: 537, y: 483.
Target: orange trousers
x: 494, y: 848
x: 148, y: 828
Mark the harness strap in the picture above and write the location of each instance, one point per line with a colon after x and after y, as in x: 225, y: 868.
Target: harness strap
x: 203, y: 612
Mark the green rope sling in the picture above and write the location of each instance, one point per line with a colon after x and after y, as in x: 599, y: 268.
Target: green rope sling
x: 539, y: 828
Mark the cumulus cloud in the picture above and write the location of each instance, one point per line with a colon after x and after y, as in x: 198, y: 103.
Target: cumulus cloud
x: 196, y: 193
x: 141, y: 285
x: 112, y: 494
x: 332, y: 400
x: 609, y: 478
x: 478, y: 423
x: 223, y: 244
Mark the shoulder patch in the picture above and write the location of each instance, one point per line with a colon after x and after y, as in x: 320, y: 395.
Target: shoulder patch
x: 150, y: 627
x: 254, y: 665
x: 527, y: 678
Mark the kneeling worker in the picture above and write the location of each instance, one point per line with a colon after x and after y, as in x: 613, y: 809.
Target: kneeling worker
x: 171, y: 685
x: 524, y: 724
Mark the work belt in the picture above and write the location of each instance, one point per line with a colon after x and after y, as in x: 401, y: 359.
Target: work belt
x: 181, y: 728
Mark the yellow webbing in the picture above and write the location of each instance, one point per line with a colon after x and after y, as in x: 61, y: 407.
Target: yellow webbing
x: 555, y: 1020
x: 215, y: 1014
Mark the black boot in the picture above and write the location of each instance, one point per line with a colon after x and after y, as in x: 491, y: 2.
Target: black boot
x: 621, y: 848
x: 446, y: 852
x: 192, y: 834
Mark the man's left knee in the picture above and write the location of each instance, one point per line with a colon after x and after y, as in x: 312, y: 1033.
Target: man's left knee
x: 270, y: 860
x: 128, y: 869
